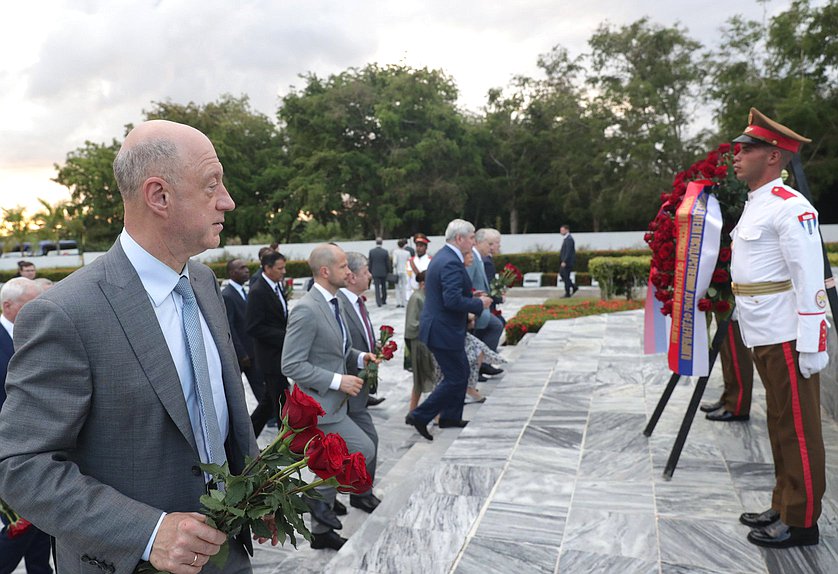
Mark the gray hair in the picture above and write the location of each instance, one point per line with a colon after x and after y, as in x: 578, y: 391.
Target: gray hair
x: 18, y: 287
x: 355, y: 261
x: 44, y: 282
x: 153, y: 157
x: 458, y: 228
x: 321, y: 256
x: 486, y: 234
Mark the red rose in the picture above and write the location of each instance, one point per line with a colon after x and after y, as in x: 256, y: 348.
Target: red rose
x: 713, y: 157
x: 289, y: 282
x: 666, y: 251
x: 386, y: 353
x: 648, y: 237
x: 665, y: 197
x: 18, y: 527
x: 392, y: 346
x: 724, y: 148
x: 353, y: 477
x: 663, y: 295
x: 300, y: 440
x: 302, y: 410
x: 326, y: 455
x: 387, y: 329
x: 668, y: 265
x: 721, y: 306
x: 708, y: 169
x: 721, y: 172
x: 724, y: 254
x: 705, y: 304
x: 667, y: 308
x: 720, y: 276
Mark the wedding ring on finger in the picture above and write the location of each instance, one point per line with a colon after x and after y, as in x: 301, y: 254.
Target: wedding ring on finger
x: 194, y: 561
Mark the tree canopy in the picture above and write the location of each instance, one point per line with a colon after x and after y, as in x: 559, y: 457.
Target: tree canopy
x: 591, y: 141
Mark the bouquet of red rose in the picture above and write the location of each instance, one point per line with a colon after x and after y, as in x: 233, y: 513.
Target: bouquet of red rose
x: 289, y: 289
x: 731, y: 193
x: 508, y: 276
x: 272, y: 485
x: 16, y: 524
x: 385, y: 348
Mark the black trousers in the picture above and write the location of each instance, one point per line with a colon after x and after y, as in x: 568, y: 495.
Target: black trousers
x: 564, y: 272
x: 380, y: 290
x: 271, y: 402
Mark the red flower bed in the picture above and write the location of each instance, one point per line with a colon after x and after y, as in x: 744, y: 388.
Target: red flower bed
x: 531, y: 317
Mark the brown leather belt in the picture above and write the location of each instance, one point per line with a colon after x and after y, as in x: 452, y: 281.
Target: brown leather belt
x: 764, y: 288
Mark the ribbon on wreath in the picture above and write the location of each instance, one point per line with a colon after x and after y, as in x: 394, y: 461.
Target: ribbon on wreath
x: 698, y: 222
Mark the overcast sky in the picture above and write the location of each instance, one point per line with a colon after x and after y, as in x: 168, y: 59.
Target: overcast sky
x: 76, y: 70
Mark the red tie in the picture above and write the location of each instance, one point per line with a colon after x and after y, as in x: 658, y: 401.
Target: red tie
x: 367, y: 324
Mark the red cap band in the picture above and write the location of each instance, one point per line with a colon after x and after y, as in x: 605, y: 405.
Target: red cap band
x: 773, y: 138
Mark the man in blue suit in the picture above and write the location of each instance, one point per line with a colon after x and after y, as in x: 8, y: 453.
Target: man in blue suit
x: 442, y: 327
x: 33, y: 545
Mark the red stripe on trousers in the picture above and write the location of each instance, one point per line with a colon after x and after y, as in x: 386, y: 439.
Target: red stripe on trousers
x: 733, y: 351
x: 801, y: 438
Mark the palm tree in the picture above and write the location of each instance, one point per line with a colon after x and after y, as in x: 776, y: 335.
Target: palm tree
x: 16, y: 226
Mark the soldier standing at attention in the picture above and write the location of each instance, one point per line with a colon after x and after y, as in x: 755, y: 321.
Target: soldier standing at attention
x: 777, y: 271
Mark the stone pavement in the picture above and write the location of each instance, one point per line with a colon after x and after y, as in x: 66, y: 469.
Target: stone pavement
x: 553, y: 474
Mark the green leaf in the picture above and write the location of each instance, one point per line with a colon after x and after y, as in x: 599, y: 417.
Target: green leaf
x: 236, y: 490
x: 260, y: 529
x: 211, y: 503
x: 220, y: 559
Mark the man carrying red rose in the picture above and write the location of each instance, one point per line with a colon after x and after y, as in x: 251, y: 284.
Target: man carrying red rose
x: 777, y: 274
x: 319, y: 357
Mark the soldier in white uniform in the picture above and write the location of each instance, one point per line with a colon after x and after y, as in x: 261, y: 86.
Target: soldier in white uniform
x: 777, y: 271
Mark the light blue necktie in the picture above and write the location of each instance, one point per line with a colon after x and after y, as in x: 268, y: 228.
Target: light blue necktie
x: 198, y: 357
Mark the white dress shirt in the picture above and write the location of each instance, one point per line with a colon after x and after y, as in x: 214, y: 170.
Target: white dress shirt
x: 239, y: 289
x: 335, y: 384
x: 276, y: 288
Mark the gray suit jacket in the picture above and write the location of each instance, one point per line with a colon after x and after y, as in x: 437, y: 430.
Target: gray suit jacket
x: 479, y: 281
x: 359, y: 341
x: 314, y: 352
x: 95, y: 440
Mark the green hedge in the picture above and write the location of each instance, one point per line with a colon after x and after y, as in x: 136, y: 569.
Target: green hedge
x: 548, y: 261
x: 619, y: 275
x: 293, y: 269
x: 53, y: 274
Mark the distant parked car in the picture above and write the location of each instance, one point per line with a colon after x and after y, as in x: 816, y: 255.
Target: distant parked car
x: 63, y: 245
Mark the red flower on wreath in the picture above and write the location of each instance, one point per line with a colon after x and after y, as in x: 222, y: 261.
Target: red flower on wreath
x: 661, y: 236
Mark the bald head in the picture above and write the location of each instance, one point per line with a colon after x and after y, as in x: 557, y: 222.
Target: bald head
x: 328, y: 266
x: 171, y: 182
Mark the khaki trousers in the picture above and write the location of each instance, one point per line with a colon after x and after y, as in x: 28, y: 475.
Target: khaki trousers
x: 737, y: 372
x: 794, y: 428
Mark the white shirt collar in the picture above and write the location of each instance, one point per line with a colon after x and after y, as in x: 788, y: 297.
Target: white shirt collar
x: 353, y: 298
x: 457, y: 251
x: 8, y: 325
x: 770, y: 185
x: 158, y: 279
x: 271, y: 283
x: 328, y: 296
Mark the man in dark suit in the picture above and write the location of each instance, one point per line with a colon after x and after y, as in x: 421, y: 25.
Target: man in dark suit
x: 442, y: 327
x: 364, y: 339
x: 319, y: 357
x: 267, y: 317
x: 380, y: 266
x: 235, y: 301
x: 33, y: 545
x: 262, y: 252
x: 125, y: 378
x: 568, y: 260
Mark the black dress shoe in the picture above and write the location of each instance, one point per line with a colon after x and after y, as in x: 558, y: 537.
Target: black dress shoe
x: 365, y: 503
x: 726, y: 416
x: 422, y: 429
x: 452, y: 423
x: 489, y: 370
x: 575, y: 289
x: 372, y: 401
x: 321, y: 512
x: 339, y: 508
x: 330, y: 539
x: 759, y: 519
x: 710, y: 407
x: 781, y: 535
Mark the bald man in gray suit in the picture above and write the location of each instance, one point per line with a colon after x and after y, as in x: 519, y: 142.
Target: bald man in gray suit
x: 125, y: 378
x: 318, y: 356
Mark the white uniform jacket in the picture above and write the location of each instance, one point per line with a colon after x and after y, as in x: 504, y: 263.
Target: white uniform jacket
x: 777, y: 239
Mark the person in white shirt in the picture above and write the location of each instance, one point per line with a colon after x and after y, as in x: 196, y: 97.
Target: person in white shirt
x: 778, y: 280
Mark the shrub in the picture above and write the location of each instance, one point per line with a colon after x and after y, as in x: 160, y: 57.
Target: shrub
x: 531, y: 318
x: 619, y: 275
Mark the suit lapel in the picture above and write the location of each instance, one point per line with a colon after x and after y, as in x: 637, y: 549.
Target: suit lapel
x: 354, y: 319
x: 130, y: 303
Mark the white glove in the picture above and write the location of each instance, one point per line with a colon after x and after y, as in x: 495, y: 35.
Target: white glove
x: 811, y: 363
